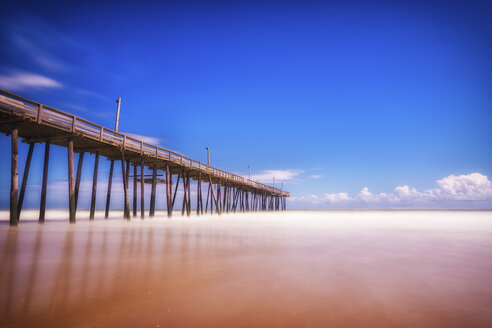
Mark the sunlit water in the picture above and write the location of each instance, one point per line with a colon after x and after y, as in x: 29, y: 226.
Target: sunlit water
x: 288, y: 269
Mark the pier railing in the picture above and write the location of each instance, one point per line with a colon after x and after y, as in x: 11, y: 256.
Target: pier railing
x: 53, y: 117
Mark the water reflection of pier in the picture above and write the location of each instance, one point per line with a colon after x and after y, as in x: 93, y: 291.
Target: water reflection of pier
x: 61, y: 277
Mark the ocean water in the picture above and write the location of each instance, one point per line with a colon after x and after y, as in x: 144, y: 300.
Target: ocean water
x: 283, y: 269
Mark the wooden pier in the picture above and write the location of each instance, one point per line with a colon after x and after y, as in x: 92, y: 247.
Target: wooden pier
x: 38, y: 123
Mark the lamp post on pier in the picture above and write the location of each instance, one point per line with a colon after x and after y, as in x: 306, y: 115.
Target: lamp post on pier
x: 118, y: 101
x: 208, y: 155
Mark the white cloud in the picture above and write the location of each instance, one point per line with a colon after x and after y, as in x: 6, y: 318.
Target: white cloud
x: 472, y: 190
x: 473, y: 186
x: 266, y: 176
x: 337, y: 198
x: 22, y: 80
x: 150, y: 140
x: 316, y: 176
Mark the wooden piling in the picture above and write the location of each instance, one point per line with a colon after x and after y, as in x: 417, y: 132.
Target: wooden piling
x: 110, y: 182
x: 44, y: 185
x: 152, y: 192
x: 24, y: 179
x: 77, y: 180
x: 214, y: 197
x: 94, y: 187
x: 135, y: 190
x: 198, y: 193
x: 142, y: 189
x: 14, y: 181
x: 71, y: 182
x: 168, y: 191
x: 188, y: 206
x: 126, y: 205
x: 185, y: 191
x: 206, y: 201
x: 175, y: 191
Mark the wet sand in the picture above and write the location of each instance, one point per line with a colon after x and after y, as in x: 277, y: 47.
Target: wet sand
x: 289, y: 269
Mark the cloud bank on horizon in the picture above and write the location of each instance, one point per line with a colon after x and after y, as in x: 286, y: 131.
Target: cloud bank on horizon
x: 455, y: 191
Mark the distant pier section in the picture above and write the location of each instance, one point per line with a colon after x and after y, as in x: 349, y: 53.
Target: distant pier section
x: 37, y: 123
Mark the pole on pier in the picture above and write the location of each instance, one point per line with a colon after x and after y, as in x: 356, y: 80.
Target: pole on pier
x: 94, y: 187
x: 44, y: 185
x: 14, y: 182
x: 71, y: 182
x: 153, y: 190
x: 110, y: 182
x: 126, y: 210
x: 118, y: 102
x: 142, y: 189
x: 168, y: 191
x: 77, y: 180
x: 24, y: 179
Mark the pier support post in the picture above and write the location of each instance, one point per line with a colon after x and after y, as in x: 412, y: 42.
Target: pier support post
x: 24, y: 179
x: 126, y: 210
x: 71, y: 182
x: 198, y: 193
x: 185, y: 191
x: 94, y: 187
x: 44, y: 184
x: 110, y: 182
x: 175, y: 192
x: 214, y: 197
x: 153, y: 190
x: 168, y: 191
x: 77, y: 180
x: 14, y: 182
x: 142, y: 189
x: 188, y: 206
x: 135, y: 174
x: 206, y: 201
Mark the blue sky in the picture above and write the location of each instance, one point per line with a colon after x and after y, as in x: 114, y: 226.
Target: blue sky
x: 330, y: 97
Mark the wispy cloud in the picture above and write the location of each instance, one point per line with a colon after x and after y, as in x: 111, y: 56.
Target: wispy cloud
x: 472, y: 190
x: 267, y: 176
x: 97, y: 113
x: 150, y: 140
x: 316, y: 176
x: 18, y: 80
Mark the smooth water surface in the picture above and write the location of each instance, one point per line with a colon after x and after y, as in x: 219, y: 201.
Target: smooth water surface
x: 284, y: 269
